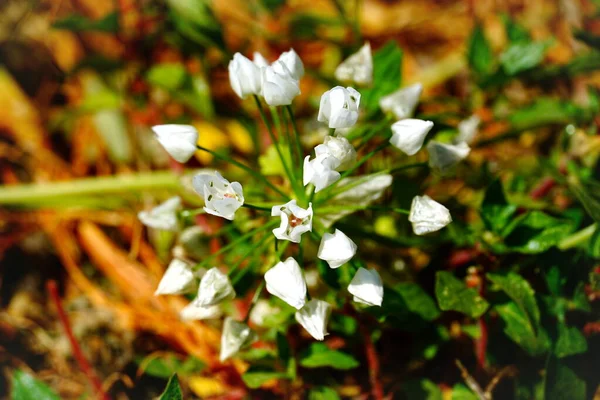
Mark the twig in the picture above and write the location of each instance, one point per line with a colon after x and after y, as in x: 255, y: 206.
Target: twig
x: 52, y: 288
x: 471, y: 382
x: 373, y: 363
x: 506, y: 371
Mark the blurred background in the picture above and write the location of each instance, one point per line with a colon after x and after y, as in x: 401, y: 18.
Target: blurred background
x: 82, y: 82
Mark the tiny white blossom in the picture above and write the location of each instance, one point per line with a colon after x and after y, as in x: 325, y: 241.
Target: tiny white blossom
x: 214, y: 288
x: 293, y: 63
x: 367, y: 288
x: 295, y: 221
x: 467, y: 129
x: 320, y: 171
x: 443, y: 156
x: 408, y: 135
x: 279, y: 87
x: 402, y: 103
x: 163, y: 216
x: 194, y: 312
x: 244, y: 76
x: 285, y: 280
x: 261, y: 311
x: 340, y: 148
x: 314, y: 317
x: 236, y: 335
x: 339, y: 107
x: 178, y: 140
x: 221, y: 197
x: 337, y: 249
x: 259, y: 60
x: 357, y: 68
x: 427, y: 215
x: 179, y: 278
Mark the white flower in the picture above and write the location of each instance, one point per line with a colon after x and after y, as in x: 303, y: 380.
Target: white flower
x: 408, y: 135
x: 367, y: 288
x: 179, y: 278
x: 163, y: 216
x: 178, y: 140
x: 427, y: 215
x: 261, y: 311
x: 244, y: 76
x: 357, y: 68
x: 279, y: 87
x: 221, y: 198
x: 339, y: 107
x: 443, y: 156
x: 285, y: 281
x: 402, y: 103
x: 293, y: 63
x: 235, y: 336
x: 320, y: 171
x: 194, y: 312
x: 259, y: 60
x: 339, y: 148
x: 337, y: 249
x: 214, y: 288
x: 295, y: 221
x: 314, y: 317
x: 467, y: 129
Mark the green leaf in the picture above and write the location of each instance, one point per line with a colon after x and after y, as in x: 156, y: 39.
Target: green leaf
x: 166, y: 365
x: 520, y: 330
x: 323, y: 393
x: 519, y: 290
x: 26, y: 387
x: 319, y: 355
x: 273, y: 5
x: 545, y: 111
x: 80, y: 23
x: 461, y: 392
x: 563, y: 383
x: 387, y: 75
x: 520, y: 56
x: 172, y: 391
x: 537, y: 232
x: 270, y: 163
x: 167, y: 76
x: 495, y: 209
x: 570, y: 341
x: 453, y: 294
x: 255, y: 379
x: 423, y: 389
x: 479, y: 55
x: 418, y: 301
x: 195, y: 20
x: 514, y: 31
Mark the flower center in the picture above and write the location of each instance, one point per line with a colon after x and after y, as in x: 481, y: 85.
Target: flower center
x: 295, y: 221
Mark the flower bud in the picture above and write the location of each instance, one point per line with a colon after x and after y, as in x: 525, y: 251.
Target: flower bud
x: 402, y: 103
x: 235, y: 336
x: 444, y: 156
x: 244, y: 76
x: 339, y: 148
x: 295, y: 221
x: 194, y: 312
x: 221, y: 197
x: 467, y: 129
x: 279, y: 86
x: 314, y: 317
x: 179, y: 278
x: 367, y: 288
x: 178, y: 140
x: 163, y: 216
x: 357, y: 68
x: 408, y: 135
x: 336, y: 249
x: 339, y: 107
x: 285, y: 280
x: 214, y: 288
x: 259, y: 60
x: 320, y: 171
x: 293, y: 63
x: 427, y: 215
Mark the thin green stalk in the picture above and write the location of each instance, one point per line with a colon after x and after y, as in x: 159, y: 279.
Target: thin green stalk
x: 577, y: 238
x: 299, y: 150
x: 234, y: 273
x: 254, y: 207
x: 30, y: 194
x: 334, y: 209
x: 246, y: 168
x: 255, y: 298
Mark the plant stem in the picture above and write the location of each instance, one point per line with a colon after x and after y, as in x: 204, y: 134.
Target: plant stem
x: 253, y: 207
x: 299, y: 151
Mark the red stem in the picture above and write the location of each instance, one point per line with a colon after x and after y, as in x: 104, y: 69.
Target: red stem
x: 373, y: 363
x: 52, y: 288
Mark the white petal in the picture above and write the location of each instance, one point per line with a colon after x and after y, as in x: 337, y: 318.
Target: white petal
x: 339, y: 107
x: 163, y: 216
x: 214, y: 288
x: 244, y: 76
x: 194, y: 312
x: 285, y: 280
x: 179, y: 278
x: 295, y: 221
x: 409, y: 134
x: 259, y: 60
x: 337, y: 249
x: 427, y: 215
x: 293, y: 63
x: 314, y: 317
x: 444, y: 156
x: 221, y: 197
x: 357, y: 68
x: 402, y: 103
x: 178, y: 140
x: 467, y: 129
x: 279, y: 88
x: 235, y: 336
x: 367, y: 287
x: 340, y: 148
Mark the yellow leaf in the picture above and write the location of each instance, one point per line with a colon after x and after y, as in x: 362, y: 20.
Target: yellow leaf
x: 240, y: 137
x: 203, y: 386
x: 211, y: 138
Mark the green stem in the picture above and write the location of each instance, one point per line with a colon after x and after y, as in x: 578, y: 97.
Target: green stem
x: 43, y: 192
x: 334, y: 209
x: 577, y: 238
x: 254, y: 207
x: 246, y: 168
x: 299, y: 151
x: 255, y: 298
